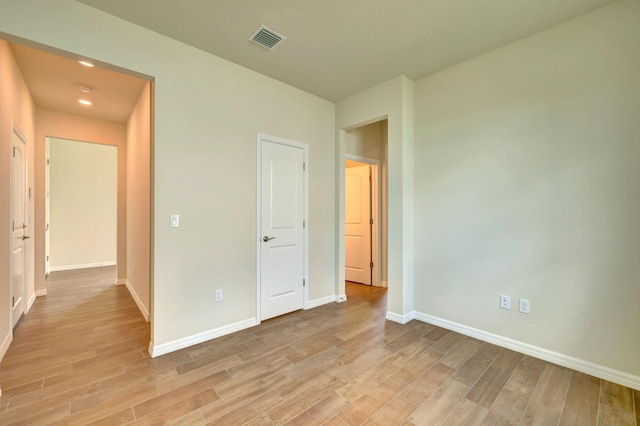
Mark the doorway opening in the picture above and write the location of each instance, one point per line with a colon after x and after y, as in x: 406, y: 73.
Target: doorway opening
x: 81, y: 199
x: 365, y: 205
x: 118, y: 116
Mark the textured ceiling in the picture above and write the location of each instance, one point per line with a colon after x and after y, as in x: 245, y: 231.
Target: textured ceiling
x: 335, y: 48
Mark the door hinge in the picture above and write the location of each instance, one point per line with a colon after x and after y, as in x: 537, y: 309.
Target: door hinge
x: 371, y: 265
x: 13, y: 301
x: 14, y: 151
x: 47, y: 161
x: 304, y: 166
x: 370, y: 221
x: 304, y: 282
x: 304, y: 224
x: 47, y: 258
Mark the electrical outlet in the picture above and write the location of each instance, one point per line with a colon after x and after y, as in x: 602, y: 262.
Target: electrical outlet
x: 524, y: 306
x: 218, y: 295
x: 505, y: 302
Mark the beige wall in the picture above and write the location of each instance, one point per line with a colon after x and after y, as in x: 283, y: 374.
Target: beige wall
x: 16, y: 106
x: 139, y: 201
x: 527, y: 184
x: 83, y: 208
x: 74, y: 127
x: 207, y: 116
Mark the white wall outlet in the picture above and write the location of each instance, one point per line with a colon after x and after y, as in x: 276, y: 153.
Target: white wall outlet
x: 175, y: 221
x: 524, y: 306
x: 218, y: 295
x: 505, y: 302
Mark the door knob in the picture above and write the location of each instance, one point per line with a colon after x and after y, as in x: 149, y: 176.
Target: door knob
x: 265, y: 238
x: 26, y: 237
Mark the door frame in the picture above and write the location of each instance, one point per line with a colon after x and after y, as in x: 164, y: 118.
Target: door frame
x: 25, y: 306
x: 305, y: 215
x: 376, y: 213
x: 47, y: 205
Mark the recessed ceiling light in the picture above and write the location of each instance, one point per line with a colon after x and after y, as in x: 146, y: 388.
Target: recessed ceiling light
x: 85, y: 102
x: 85, y: 89
x: 86, y: 64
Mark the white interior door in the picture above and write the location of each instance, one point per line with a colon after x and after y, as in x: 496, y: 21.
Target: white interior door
x: 47, y: 205
x: 358, y: 224
x: 18, y: 225
x: 281, y: 228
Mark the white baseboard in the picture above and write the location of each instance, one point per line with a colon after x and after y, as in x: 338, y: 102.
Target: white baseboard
x: 41, y: 292
x: 402, y: 319
x: 185, y: 342
x: 383, y: 284
x: 32, y: 299
x: 6, y: 342
x: 136, y: 298
x: 319, y: 302
x: 81, y: 266
x: 602, y: 372
x: 121, y: 281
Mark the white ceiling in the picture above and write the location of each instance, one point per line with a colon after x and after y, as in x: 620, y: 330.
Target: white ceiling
x: 54, y: 82
x: 335, y: 48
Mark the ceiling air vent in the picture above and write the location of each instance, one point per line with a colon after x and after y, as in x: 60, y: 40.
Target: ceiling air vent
x: 266, y: 37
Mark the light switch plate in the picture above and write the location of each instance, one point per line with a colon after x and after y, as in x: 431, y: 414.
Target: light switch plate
x: 175, y: 221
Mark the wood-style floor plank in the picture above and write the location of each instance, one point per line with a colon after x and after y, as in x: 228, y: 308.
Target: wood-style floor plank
x: 636, y: 399
x: 438, y: 406
x: 616, y: 405
x: 549, y: 396
x: 581, y: 405
x: 80, y: 357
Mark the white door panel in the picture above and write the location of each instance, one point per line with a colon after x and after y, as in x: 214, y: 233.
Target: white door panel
x: 358, y: 225
x: 19, y: 225
x: 281, y: 225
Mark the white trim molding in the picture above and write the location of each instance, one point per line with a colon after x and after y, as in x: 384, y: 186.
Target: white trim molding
x: 32, y: 299
x: 401, y: 319
x: 81, y: 266
x: 6, y: 342
x: 319, y: 302
x: 602, y: 372
x: 41, y: 292
x: 342, y: 298
x: 136, y: 298
x: 185, y: 342
x: 121, y: 281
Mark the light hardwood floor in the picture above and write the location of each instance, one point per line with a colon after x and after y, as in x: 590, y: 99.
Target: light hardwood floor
x: 80, y: 357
